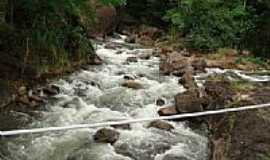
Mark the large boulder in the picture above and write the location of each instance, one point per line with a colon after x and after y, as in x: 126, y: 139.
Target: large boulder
x: 218, y: 93
x: 188, y: 101
x: 106, y: 135
x: 173, y: 63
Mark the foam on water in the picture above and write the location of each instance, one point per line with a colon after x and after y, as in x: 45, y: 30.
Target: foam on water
x: 96, y: 95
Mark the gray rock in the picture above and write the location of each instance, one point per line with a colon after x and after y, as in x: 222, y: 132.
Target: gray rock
x: 160, y: 102
x: 105, y: 135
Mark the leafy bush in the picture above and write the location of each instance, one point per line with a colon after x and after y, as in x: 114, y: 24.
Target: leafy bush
x: 210, y: 24
x: 52, y: 32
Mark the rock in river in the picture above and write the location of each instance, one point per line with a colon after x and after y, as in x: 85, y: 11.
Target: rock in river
x: 188, y: 101
x: 132, y: 59
x: 173, y: 63
x: 163, y: 125
x: 168, y: 111
x: 106, y: 135
x: 160, y: 102
x: 187, y: 79
x: 132, y: 84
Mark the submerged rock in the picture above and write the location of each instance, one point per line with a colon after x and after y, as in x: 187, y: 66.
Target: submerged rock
x: 106, y: 135
x: 132, y: 59
x: 122, y: 126
x: 174, y: 157
x: 163, y: 125
x: 145, y: 56
x: 132, y: 84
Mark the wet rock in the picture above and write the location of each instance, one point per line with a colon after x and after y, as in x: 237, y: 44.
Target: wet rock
x: 188, y: 101
x: 135, y: 52
x: 160, y: 102
x: 218, y: 93
x: 129, y: 77
x: 105, y: 135
x: 95, y: 60
x: 24, y: 100
x: 132, y: 59
x: 173, y: 63
x: 163, y: 125
x: 119, y: 52
x: 199, y: 64
x: 132, y: 84
x: 188, y: 80
x: 36, y: 98
x: 168, y: 111
x: 34, y: 104
x: 111, y: 46
x: 156, y: 52
x: 131, y: 39
x: 51, y: 90
x: 145, y: 56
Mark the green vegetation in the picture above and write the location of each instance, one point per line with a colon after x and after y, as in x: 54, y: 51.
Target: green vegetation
x: 207, y: 25
x: 252, y: 59
x: 211, y: 24
x: 49, y: 33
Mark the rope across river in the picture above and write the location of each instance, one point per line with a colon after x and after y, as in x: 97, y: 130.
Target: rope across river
x: 111, y: 123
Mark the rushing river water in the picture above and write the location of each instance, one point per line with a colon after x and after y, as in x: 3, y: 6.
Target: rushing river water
x: 96, y: 95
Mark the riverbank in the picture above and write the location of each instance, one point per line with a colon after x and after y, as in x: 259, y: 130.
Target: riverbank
x: 234, y: 136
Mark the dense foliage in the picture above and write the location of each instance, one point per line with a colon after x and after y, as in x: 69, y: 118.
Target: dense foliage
x: 148, y: 11
x: 211, y: 24
x: 50, y: 32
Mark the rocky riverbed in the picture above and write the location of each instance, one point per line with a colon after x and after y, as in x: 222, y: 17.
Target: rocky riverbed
x: 135, y: 82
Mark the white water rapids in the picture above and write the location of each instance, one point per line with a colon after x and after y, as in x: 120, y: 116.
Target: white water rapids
x: 96, y: 95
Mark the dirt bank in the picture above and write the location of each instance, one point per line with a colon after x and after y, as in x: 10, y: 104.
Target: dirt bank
x: 244, y: 135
